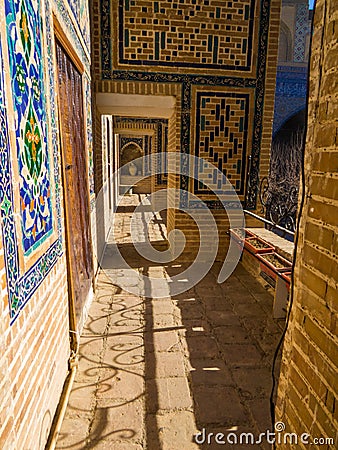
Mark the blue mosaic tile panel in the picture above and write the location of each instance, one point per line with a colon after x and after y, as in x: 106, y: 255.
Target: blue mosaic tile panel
x: 84, y: 21
x: 162, y: 156
x: 222, y: 134
x: 187, y: 33
x: 80, y: 10
x: 147, y: 151
x: 105, y: 41
x: 301, y: 31
x: 24, y: 35
x: 6, y: 202
x: 89, y: 128
x: 124, y: 140
x: 24, y: 26
x: 290, y: 95
x: 69, y: 24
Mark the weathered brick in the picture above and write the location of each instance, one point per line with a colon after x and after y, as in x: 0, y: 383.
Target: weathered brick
x: 325, y: 187
x: 299, y: 337
x: 322, y: 210
x: 330, y: 401
x: 322, y: 340
x: 317, y: 259
x: 300, y: 406
x: 323, y: 236
x: 313, y: 282
x: 332, y: 12
x: 298, y: 382
x: 323, y: 417
x: 328, y: 372
x: 331, y: 297
x: 311, y: 342
x: 308, y: 374
x: 330, y: 60
x: 325, y: 136
x: 333, y: 28
x: 332, y: 108
x: 310, y: 303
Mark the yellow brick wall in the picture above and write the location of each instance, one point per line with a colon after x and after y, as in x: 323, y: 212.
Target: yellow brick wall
x: 162, y: 40
x: 33, y: 363
x: 307, y: 392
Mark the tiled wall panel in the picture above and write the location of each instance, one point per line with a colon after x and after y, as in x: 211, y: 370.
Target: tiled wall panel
x: 187, y: 34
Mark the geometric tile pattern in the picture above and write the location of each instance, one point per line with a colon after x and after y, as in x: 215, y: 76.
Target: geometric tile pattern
x: 81, y: 13
x: 143, y: 72
x: 24, y: 35
x: 187, y: 33
x: 301, y: 31
x: 161, y: 154
x: 222, y: 133
x: 89, y: 129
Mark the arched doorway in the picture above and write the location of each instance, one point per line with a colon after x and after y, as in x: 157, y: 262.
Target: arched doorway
x: 129, y: 156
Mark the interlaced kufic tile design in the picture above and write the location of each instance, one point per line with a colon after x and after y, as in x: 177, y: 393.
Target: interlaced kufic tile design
x: 187, y: 33
x: 221, y: 134
x: 302, y: 29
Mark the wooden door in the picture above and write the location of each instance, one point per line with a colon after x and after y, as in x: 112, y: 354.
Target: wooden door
x: 75, y: 182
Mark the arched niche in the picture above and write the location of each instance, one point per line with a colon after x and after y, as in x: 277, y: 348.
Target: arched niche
x: 293, y: 125
x: 285, y: 44
x: 129, y: 155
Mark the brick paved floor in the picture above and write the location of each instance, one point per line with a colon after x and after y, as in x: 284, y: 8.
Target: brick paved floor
x: 155, y: 371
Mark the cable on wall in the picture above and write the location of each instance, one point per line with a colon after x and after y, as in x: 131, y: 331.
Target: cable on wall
x: 299, y: 217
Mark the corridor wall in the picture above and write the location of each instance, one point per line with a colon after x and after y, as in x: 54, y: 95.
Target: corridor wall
x: 307, y: 394
x: 34, y: 313
x: 218, y: 59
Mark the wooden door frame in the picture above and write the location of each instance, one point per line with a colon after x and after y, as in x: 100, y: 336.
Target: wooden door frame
x: 60, y: 36
x: 66, y: 44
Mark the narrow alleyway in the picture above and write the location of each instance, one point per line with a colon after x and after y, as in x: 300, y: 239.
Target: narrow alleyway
x: 153, y: 372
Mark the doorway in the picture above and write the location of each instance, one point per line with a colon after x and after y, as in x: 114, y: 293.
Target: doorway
x: 75, y: 184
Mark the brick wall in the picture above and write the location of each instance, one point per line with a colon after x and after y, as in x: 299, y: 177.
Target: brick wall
x: 218, y: 59
x: 33, y: 363
x: 308, y: 383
